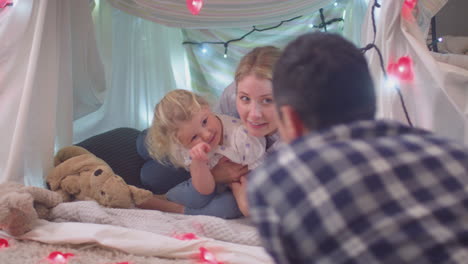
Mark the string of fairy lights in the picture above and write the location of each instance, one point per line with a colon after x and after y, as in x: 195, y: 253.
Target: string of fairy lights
x: 226, y: 43
x: 381, y: 61
x: 323, y: 25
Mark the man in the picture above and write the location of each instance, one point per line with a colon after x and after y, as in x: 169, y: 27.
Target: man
x: 348, y: 188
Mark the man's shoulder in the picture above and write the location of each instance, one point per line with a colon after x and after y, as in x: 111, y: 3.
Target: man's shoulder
x: 370, y: 133
x: 342, y: 146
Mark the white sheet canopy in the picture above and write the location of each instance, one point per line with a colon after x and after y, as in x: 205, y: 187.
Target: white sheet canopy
x: 437, y: 97
x: 219, y: 13
x: 67, y: 73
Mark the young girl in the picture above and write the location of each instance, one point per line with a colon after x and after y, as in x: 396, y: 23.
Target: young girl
x: 185, y: 133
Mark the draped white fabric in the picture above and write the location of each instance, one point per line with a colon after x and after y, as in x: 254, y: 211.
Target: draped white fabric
x: 142, y: 60
x: 219, y: 13
x: 34, y: 72
x: 436, y: 99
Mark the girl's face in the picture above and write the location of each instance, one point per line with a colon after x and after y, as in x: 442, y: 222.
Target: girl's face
x: 203, y: 127
x: 255, y: 105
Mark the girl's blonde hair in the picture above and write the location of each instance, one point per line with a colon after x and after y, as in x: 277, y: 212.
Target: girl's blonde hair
x: 176, y: 106
x: 260, y: 61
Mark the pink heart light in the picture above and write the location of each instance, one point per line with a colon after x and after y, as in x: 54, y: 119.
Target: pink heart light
x: 186, y: 236
x: 4, y: 3
x: 407, y: 10
x: 58, y: 257
x: 207, y: 257
x: 402, y: 69
x: 4, y: 243
x: 410, y: 3
x: 194, y: 6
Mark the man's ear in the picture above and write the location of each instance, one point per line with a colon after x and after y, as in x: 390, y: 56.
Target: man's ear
x: 291, y: 126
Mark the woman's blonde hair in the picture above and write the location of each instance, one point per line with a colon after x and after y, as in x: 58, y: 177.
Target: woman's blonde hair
x: 260, y: 61
x: 176, y: 106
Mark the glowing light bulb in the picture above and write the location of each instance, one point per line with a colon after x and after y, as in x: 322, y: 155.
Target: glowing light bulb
x: 204, y: 50
x: 391, y: 83
x: 4, y: 3
x: 335, y: 4
x: 440, y: 39
x: 225, y: 55
x: 402, y: 69
x: 58, y: 257
x: 311, y: 25
x: 407, y: 9
x: 206, y: 257
x: 411, y: 3
x: 194, y: 6
x: 4, y: 243
x: 186, y: 236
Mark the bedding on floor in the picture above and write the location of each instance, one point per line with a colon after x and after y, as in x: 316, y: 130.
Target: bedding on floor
x: 150, y: 233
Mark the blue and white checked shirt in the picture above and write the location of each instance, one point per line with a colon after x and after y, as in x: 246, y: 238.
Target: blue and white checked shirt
x: 367, y: 192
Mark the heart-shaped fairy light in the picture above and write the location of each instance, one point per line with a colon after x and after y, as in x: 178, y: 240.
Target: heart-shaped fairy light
x: 407, y: 10
x: 4, y: 243
x: 194, y: 6
x: 207, y: 257
x: 411, y: 4
x: 4, y: 3
x: 58, y: 257
x: 186, y: 236
x: 402, y: 69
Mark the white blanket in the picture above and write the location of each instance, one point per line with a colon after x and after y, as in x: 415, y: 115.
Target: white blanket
x: 150, y: 233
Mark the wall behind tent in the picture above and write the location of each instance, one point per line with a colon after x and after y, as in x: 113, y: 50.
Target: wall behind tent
x: 452, y: 19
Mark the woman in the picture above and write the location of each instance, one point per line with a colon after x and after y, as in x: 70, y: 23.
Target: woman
x: 254, y: 104
x: 253, y: 100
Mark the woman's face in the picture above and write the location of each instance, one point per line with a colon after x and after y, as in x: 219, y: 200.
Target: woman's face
x: 255, y: 105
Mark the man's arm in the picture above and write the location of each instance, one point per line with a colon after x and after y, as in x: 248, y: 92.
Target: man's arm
x: 263, y: 213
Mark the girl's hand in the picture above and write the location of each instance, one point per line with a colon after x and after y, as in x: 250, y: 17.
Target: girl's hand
x: 227, y: 171
x: 200, y: 152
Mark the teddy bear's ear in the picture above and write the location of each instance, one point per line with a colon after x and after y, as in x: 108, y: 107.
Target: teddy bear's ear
x: 68, y: 152
x: 139, y: 195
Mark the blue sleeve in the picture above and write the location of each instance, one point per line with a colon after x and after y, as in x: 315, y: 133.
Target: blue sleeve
x: 141, y: 145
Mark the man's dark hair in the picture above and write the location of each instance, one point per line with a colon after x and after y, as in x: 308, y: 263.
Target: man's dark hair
x: 325, y: 78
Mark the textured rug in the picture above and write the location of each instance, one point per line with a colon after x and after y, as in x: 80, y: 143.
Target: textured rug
x: 94, y: 234
x: 239, y: 231
x: 31, y: 252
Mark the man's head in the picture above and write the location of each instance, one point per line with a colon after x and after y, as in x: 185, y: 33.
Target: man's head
x: 319, y: 81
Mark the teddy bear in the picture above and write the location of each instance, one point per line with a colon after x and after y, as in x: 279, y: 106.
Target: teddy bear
x: 21, y: 205
x: 80, y: 175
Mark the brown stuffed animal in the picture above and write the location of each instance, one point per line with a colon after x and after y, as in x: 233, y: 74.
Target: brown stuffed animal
x: 21, y: 205
x: 79, y: 175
